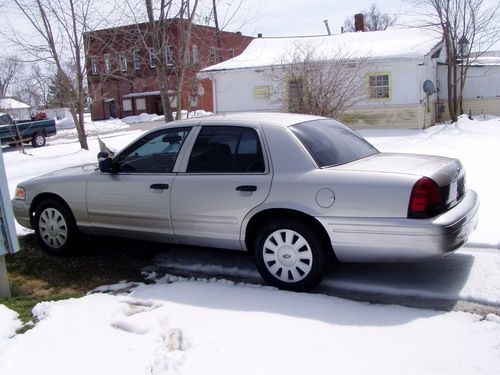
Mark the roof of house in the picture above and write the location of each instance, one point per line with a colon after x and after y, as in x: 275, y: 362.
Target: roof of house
x: 9, y: 103
x: 393, y: 43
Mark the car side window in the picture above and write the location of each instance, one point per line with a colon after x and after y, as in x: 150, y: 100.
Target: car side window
x: 226, y: 149
x: 154, y: 153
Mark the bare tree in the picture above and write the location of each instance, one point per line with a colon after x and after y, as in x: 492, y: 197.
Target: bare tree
x: 317, y: 84
x: 60, y: 25
x: 374, y: 20
x: 466, y: 25
x: 9, y: 68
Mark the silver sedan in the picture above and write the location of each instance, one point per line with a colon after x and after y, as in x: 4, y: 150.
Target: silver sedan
x: 296, y: 190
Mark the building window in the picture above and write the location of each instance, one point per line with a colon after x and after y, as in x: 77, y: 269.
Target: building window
x: 140, y: 104
x: 186, y: 56
x: 379, y: 86
x: 127, y: 105
x: 169, y: 56
x: 231, y: 53
x: 137, y: 59
x: 213, y: 55
x: 107, y: 64
x: 93, y: 62
x: 152, y: 60
x: 123, y: 62
x: 196, y: 55
x: 295, y: 96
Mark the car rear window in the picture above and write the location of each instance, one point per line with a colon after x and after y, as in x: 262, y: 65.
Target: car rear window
x: 330, y: 143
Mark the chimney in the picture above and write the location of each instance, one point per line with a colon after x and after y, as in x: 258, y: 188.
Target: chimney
x: 259, y: 35
x: 359, y: 22
x: 238, y: 32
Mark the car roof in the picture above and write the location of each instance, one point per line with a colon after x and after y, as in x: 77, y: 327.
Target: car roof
x: 270, y: 118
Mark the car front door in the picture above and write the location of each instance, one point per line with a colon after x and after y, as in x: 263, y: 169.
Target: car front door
x: 134, y: 201
x: 225, y: 176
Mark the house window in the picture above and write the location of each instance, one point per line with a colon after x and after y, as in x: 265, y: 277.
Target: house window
x: 152, y: 61
x: 295, y: 96
x: 379, y: 86
x: 107, y: 64
x: 93, y: 62
x: 231, y: 53
x: 196, y: 55
x: 137, y: 59
x: 213, y: 55
x: 186, y: 56
x: 123, y: 62
x: 140, y: 104
x: 169, y: 56
x: 127, y: 105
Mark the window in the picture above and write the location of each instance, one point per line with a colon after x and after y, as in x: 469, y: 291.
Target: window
x: 295, y: 96
x: 152, y: 59
x: 213, y: 55
x: 107, y: 64
x: 93, y: 62
x: 140, y: 104
x: 226, y: 149
x: 127, y: 105
x: 379, y: 86
x: 331, y: 143
x: 231, y: 53
x: 137, y: 59
x: 169, y: 56
x: 123, y: 62
x: 186, y: 56
x: 196, y: 55
x: 154, y: 153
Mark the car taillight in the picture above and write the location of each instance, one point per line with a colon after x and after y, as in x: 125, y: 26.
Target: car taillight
x: 426, y: 199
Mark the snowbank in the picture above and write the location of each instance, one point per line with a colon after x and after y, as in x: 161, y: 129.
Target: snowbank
x: 146, y: 117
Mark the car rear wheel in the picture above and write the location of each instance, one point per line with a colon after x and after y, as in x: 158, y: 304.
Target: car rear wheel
x: 38, y: 140
x: 289, y: 255
x: 55, y: 227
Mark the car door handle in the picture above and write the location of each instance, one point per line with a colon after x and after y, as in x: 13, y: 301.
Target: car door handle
x: 246, y: 188
x: 159, y: 186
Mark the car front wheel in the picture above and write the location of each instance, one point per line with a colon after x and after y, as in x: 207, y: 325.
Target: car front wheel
x: 289, y: 255
x: 55, y: 227
x: 38, y: 140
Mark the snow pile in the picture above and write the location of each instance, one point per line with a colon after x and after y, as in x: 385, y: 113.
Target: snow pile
x: 195, y: 327
x: 475, y: 143
x: 143, y: 117
x: 9, y: 323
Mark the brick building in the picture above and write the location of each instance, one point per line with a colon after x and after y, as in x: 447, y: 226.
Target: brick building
x: 121, y: 67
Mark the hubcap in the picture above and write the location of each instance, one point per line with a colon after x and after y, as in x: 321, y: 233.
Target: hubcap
x: 53, y: 228
x: 287, y: 255
x: 39, y: 140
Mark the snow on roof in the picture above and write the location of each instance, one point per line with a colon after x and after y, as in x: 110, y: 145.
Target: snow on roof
x: 486, y: 60
x: 394, y: 43
x: 9, y: 103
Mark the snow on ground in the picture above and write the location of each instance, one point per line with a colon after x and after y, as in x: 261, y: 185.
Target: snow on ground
x: 475, y: 143
x: 216, y: 327
x: 146, y: 117
x: 9, y: 323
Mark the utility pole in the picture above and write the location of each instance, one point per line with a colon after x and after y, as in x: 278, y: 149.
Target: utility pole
x: 217, y: 31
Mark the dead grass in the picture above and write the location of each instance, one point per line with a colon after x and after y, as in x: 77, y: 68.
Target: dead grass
x: 36, y: 276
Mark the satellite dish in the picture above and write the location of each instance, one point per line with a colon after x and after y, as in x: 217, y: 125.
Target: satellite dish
x: 429, y: 88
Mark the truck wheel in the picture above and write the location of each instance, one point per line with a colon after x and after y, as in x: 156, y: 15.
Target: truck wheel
x: 38, y: 140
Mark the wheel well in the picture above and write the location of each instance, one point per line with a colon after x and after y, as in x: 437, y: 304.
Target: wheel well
x: 40, y: 198
x: 266, y: 216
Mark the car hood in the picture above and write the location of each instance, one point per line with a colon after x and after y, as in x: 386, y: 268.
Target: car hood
x: 80, y: 170
x: 441, y: 169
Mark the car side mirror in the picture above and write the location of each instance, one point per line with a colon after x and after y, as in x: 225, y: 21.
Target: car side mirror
x: 105, y: 162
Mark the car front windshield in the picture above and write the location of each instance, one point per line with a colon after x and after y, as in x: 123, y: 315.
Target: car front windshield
x: 330, y: 143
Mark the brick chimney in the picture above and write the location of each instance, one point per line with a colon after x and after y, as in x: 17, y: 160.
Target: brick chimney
x: 359, y: 22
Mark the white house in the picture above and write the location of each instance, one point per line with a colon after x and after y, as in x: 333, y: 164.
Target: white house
x: 16, y: 109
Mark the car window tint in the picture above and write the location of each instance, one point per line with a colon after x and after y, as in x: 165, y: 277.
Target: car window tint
x: 154, y: 153
x: 331, y: 143
x: 226, y: 149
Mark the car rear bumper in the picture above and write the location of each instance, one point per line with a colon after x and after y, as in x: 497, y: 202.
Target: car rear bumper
x: 21, y: 212
x: 402, y: 239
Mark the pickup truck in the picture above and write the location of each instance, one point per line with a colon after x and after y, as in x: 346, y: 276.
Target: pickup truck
x: 26, y: 131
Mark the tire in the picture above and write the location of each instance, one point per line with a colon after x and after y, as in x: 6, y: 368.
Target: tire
x: 38, y: 140
x: 289, y: 255
x: 55, y: 227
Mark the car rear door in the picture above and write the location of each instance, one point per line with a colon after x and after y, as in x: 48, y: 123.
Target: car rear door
x: 135, y: 201
x: 226, y: 175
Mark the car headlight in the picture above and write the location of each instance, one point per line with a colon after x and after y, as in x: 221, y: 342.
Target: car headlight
x: 20, y: 193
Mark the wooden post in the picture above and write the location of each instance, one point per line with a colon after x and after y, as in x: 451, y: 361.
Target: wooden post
x: 4, y: 279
